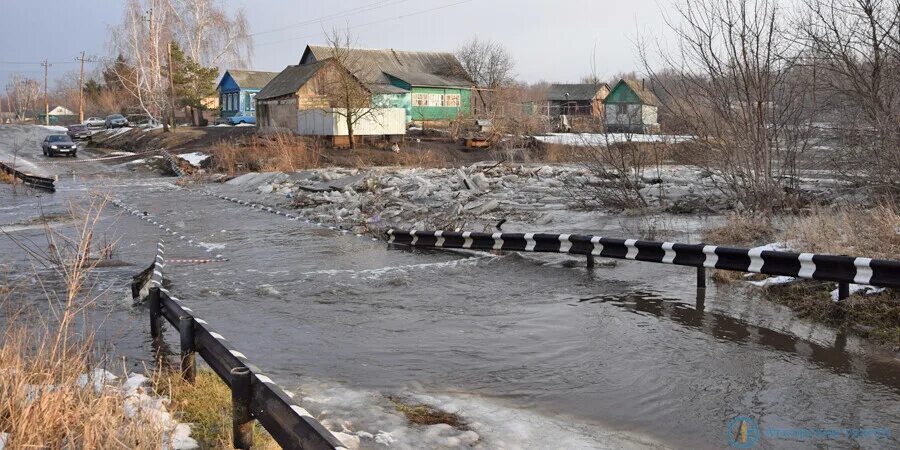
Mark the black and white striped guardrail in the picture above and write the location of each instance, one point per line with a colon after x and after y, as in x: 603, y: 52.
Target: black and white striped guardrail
x: 286, y: 215
x: 288, y: 423
x: 174, y: 233
x: 841, y: 269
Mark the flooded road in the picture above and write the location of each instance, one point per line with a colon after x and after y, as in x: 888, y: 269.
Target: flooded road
x: 531, y: 351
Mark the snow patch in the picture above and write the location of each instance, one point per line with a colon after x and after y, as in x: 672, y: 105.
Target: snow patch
x: 194, y: 158
x: 773, y: 281
x: 55, y: 128
x: 856, y: 288
x: 602, y: 140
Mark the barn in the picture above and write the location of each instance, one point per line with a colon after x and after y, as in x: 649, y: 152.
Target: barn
x: 584, y: 99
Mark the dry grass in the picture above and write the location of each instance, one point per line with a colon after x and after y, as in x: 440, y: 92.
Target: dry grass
x: 405, y: 158
x: 419, y: 414
x: 206, y: 404
x: 743, y: 230
x: 278, y: 152
x: 7, y: 178
x: 873, y: 233
x: 42, y: 404
x: 876, y: 317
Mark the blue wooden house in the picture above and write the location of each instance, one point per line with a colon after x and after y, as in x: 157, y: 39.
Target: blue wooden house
x: 237, y: 92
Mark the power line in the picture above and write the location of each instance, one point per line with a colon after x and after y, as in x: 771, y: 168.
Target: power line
x: 37, y: 63
x: 389, y: 19
x: 344, y: 13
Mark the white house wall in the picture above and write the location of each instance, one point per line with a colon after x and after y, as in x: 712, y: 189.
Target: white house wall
x: 381, y: 121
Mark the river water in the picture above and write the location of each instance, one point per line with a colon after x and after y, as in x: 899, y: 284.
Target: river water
x: 532, y: 351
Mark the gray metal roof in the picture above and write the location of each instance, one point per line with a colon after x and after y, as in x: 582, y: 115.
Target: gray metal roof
x: 577, y: 92
x: 290, y: 80
x: 440, y: 69
x: 251, y: 79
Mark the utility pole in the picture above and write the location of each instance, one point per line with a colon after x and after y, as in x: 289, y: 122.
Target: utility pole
x: 81, y: 90
x: 46, y: 95
x: 171, y: 88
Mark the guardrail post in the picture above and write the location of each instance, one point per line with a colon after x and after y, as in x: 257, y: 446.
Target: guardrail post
x: 590, y: 261
x: 155, y: 314
x: 188, y: 354
x: 843, y: 290
x: 242, y: 419
x: 701, y: 277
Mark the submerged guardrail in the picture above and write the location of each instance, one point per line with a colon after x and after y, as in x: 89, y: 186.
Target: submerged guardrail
x: 29, y: 179
x: 254, y: 395
x: 841, y: 269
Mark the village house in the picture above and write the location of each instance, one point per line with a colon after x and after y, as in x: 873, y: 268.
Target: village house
x: 301, y: 99
x: 429, y: 86
x: 237, y: 91
x: 631, y: 107
x: 584, y: 99
x: 59, y: 116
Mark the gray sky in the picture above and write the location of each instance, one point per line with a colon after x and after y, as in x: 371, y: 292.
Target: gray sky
x: 550, y: 39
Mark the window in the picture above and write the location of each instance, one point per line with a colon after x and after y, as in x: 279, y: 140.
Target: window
x: 420, y: 99
x: 452, y: 100
x: 252, y: 102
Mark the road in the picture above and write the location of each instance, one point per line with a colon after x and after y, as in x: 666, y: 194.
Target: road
x: 531, y: 351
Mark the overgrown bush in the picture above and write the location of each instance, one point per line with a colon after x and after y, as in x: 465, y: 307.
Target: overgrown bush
x: 277, y: 152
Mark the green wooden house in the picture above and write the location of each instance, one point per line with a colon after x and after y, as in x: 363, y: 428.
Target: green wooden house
x: 430, y: 86
x: 631, y: 107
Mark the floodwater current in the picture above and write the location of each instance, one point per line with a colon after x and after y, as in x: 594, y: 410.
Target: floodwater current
x: 532, y: 351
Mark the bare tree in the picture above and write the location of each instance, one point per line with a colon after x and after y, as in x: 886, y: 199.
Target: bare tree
x: 489, y: 65
x: 22, y: 94
x: 210, y: 35
x: 142, y: 39
x: 347, y: 96
x: 856, y: 46
x: 741, y: 96
x: 203, y: 27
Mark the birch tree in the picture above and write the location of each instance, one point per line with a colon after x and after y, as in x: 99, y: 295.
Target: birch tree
x: 22, y: 95
x: 142, y: 40
x: 211, y: 36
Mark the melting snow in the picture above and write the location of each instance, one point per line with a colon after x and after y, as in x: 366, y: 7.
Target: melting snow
x: 194, y: 158
x: 601, y: 140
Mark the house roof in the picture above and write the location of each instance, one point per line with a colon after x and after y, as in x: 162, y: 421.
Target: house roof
x: 250, y: 79
x: 372, y: 67
x: 61, y: 111
x: 584, y: 91
x: 641, y: 91
x: 290, y: 80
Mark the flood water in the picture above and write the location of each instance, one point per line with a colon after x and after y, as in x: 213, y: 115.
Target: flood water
x: 532, y: 352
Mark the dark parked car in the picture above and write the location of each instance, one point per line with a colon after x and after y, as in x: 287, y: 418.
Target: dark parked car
x: 77, y: 132
x: 59, y: 144
x: 116, y: 121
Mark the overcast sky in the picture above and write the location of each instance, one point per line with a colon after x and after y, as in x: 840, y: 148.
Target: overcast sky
x: 550, y: 39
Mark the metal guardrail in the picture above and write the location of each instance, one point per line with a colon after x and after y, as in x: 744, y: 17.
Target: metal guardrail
x: 29, y: 179
x: 841, y: 269
x: 254, y: 395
